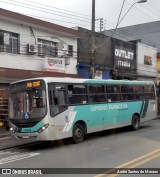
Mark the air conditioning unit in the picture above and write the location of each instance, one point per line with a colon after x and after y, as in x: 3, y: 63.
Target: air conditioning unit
x: 32, y: 49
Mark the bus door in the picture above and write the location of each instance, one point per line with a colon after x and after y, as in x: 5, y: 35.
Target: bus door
x: 58, y: 104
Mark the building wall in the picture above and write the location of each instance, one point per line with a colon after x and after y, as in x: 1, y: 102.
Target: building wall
x: 34, y: 62
x: 102, y: 49
x: 102, y: 62
x: 147, y: 33
x: 146, y: 60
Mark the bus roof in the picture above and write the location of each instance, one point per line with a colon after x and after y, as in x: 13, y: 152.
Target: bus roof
x: 87, y: 81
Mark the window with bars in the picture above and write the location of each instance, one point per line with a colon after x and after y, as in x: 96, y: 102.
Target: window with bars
x: 47, y: 48
x: 70, y: 50
x: 9, y: 42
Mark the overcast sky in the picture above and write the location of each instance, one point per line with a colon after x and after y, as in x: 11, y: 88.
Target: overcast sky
x: 73, y: 13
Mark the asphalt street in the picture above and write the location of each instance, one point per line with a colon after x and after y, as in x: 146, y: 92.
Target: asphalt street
x: 120, y: 148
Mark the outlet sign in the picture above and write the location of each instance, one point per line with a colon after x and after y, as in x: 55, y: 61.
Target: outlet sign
x: 124, y: 58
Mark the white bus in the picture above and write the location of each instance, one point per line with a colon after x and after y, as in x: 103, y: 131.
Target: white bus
x: 57, y: 108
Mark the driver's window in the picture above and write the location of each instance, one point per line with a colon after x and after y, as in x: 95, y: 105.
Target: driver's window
x: 57, y: 98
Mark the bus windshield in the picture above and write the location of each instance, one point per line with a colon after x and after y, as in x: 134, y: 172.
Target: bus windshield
x: 29, y: 103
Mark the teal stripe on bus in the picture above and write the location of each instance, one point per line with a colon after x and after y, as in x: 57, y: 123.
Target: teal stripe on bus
x: 103, y: 114
x: 32, y: 129
x: 117, y: 82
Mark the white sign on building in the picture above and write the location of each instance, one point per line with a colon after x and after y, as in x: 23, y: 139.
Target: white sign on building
x: 147, y: 60
x: 98, y: 75
x: 54, y: 65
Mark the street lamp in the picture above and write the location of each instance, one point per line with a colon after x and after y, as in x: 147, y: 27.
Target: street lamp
x: 140, y: 1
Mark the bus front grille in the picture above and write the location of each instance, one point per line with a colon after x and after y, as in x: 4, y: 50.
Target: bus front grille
x: 25, y: 125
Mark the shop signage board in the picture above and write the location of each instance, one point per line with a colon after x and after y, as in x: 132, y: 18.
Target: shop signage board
x: 54, y: 65
x: 146, y: 60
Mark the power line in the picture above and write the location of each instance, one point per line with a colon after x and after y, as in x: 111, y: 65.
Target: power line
x: 86, y: 21
x: 140, y: 10
x: 53, y: 19
x: 50, y: 9
x: 60, y: 9
x: 153, y: 7
x: 125, y: 34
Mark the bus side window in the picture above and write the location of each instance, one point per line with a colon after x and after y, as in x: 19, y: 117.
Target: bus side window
x: 113, y: 93
x: 77, y: 94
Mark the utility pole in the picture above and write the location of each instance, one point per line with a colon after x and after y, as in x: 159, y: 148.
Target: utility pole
x: 92, y: 62
x: 101, y: 24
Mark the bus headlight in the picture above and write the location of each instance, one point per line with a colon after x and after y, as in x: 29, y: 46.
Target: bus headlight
x: 11, y: 129
x: 43, y: 128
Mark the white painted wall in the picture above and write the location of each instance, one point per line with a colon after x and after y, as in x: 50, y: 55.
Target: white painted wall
x: 33, y: 62
x: 142, y: 68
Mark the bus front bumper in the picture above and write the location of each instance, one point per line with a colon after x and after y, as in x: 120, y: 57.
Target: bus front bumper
x: 43, y: 136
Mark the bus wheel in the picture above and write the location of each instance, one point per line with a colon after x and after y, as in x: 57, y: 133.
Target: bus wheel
x: 78, y: 133
x: 135, y: 122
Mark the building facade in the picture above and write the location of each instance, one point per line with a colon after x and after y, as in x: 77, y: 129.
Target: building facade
x: 114, y: 58
x: 31, y: 47
x: 146, y: 37
x: 103, y: 55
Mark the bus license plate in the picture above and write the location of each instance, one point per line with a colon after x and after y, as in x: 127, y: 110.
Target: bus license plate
x: 25, y: 137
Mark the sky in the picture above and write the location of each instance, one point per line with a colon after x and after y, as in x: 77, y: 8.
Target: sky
x: 72, y: 13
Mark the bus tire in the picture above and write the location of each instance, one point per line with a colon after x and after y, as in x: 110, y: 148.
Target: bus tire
x: 78, y: 133
x: 135, y: 122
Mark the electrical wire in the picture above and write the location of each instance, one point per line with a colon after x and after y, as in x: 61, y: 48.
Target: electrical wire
x: 44, y: 10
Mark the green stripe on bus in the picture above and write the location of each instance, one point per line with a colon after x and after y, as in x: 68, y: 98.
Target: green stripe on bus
x: 103, y: 114
x: 32, y: 129
x: 117, y: 82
